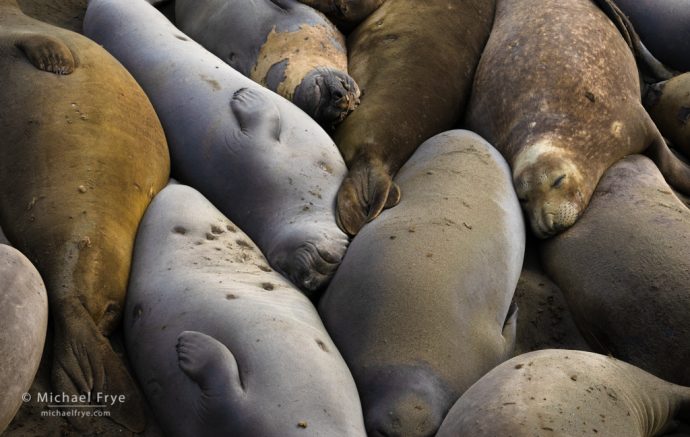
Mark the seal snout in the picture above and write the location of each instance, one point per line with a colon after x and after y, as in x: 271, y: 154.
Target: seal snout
x: 409, y: 402
x: 327, y: 95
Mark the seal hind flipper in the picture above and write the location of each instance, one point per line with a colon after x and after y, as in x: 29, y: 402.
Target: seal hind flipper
x: 209, y: 363
x: 256, y: 114
x: 47, y: 53
x: 364, y: 194
x: 84, y: 362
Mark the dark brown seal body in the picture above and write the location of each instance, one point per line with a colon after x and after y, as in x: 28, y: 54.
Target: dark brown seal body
x: 563, y: 393
x: 345, y: 13
x: 557, y: 91
x: 82, y: 154
x: 668, y: 103
x: 624, y: 268
x: 414, y: 62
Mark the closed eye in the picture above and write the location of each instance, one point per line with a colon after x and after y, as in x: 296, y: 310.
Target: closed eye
x: 557, y: 183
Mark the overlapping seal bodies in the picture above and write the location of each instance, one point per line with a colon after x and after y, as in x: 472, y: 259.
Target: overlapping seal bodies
x: 282, y: 44
x: 562, y: 106
x: 266, y: 165
x: 421, y: 324
x: 346, y: 13
x: 567, y: 393
x: 82, y: 153
x: 222, y: 344
x: 624, y: 269
x: 414, y: 62
x: 23, y: 324
x: 668, y: 104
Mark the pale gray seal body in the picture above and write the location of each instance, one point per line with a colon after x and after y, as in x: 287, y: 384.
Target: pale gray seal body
x: 265, y: 164
x: 625, y: 270
x: 223, y: 345
x: 560, y: 392
x: 421, y: 306
x: 23, y: 325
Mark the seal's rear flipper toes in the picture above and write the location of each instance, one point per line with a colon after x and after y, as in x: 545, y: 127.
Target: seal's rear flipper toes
x: 350, y: 207
x: 256, y: 113
x: 47, y: 53
x: 209, y: 363
x: 312, y: 264
x: 84, y: 362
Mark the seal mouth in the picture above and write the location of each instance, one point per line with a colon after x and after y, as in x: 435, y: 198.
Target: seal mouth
x: 329, y: 96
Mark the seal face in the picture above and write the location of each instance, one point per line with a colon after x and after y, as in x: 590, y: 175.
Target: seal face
x: 557, y: 111
x: 568, y: 393
x: 393, y: 56
x: 266, y: 165
x: 222, y: 344
x: 635, y: 235
x: 281, y: 44
x: 23, y: 324
x: 410, y: 323
x: 83, y: 153
x: 668, y: 104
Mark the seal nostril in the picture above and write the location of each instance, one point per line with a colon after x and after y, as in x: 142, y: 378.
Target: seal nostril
x: 337, y: 95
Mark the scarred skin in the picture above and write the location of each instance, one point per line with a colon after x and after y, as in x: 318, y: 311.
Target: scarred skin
x: 633, y: 242
x: 668, y: 104
x: 23, y: 325
x: 83, y: 154
x: 414, y: 62
x: 265, y: 164
x: 557, y: 91
x: 345, y: 12
x: 284, y: 45
x: 431, y: 313
x: 558, y: 392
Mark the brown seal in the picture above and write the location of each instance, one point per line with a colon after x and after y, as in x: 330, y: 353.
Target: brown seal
x: 82, y: 153
x: 668, y: 104
x: 562, y: 106
x: 345, y: 13
x: 414, y: 62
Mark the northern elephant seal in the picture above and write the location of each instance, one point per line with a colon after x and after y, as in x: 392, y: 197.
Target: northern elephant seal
x: 23, y: 324
x: 664, y: 27
x: 82, y: 154
x: 562, y: 106
x: 282, y: 44
x: 346, y: 13
x: 222, y: 344
x: 668, y: 104
x: 560, y: 392
x: 266, y: 165
x: 414, y: 62
x: 625, y: 270
x: 431, y: 313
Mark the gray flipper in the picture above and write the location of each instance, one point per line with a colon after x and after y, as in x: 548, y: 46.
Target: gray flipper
x: 256, y: 114
x: 47, y: 53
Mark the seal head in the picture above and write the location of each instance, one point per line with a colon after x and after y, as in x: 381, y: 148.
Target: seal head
x: 327, y: 95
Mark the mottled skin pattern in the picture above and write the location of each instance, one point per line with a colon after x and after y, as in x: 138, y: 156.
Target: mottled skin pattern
x: 282, y: 44
x: 558, y: 392
x: 664, y: 27
x: 222, y: 344
x: 624, y: 269
x: 421, y: 306
x: 557, y: 91
x: 668, y: 104
x: 414, y: 62
x: 82, y: 153
x: 345, y: 12
x: 265, y: 164
x: 23, y: 325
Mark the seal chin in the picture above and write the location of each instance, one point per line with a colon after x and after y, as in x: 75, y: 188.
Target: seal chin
x: 549, y: 221
x: 309, y: 262
x: 327, y: 95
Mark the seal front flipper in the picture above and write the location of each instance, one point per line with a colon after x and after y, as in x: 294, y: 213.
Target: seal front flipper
x: 84, y: 362
x: 256, y: 114
x: 212, y: 366
x: 47, y: 53
x: 367, y: 190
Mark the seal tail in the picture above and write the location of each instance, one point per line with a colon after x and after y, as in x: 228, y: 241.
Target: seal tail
x: 675, y: 170
x: 652, y: 69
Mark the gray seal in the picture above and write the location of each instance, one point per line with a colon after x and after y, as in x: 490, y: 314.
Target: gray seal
x: 223, y: 345
x: 265, y: 164
x: 421, y: 306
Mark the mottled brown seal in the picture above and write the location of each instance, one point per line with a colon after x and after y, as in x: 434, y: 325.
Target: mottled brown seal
x: 557, y: 91
x: 82, y: 154
x: 414, y: 62
x: 668, y: 104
